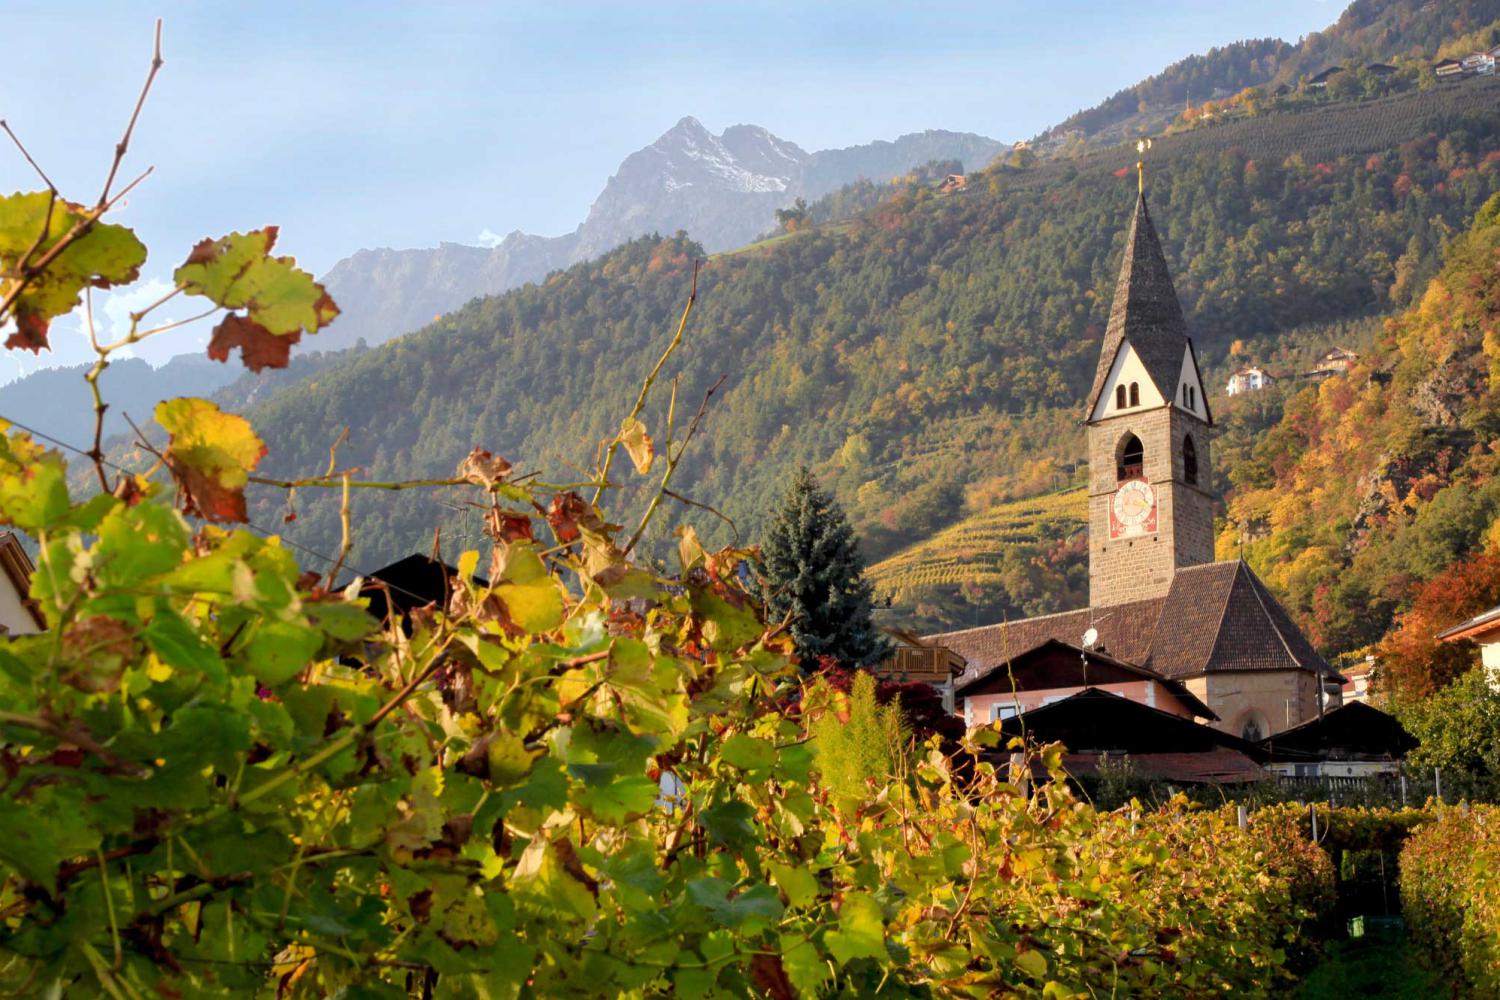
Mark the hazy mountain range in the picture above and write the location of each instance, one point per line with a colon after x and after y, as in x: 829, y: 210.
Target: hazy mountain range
x: 723, y: 190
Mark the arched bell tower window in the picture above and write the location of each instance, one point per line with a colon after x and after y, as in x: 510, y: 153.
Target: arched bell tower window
x: 1132, y: 458
x: 1135, y: 394
x: 1189, y: 461
x: 1120, y: 403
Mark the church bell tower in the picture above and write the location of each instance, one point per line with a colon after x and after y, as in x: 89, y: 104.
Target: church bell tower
x: 1150, y: 491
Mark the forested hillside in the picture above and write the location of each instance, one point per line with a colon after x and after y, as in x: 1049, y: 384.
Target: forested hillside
x: 1380, y: 480
x: 1367, y: 30
x: 927, y: 359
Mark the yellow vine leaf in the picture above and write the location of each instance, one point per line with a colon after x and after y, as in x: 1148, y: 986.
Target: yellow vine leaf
x: 211, y: 455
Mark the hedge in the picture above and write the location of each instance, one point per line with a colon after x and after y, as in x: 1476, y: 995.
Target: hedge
x: 1450, y: 892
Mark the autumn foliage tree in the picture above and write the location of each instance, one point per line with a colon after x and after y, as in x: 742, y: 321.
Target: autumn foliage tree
x: 1414, y: 663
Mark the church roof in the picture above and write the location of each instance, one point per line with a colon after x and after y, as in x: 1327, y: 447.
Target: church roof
x: 1216, y: 617
x: 1145, y: 311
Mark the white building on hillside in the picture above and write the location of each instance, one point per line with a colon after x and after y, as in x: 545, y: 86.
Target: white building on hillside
x: 1249, y: 379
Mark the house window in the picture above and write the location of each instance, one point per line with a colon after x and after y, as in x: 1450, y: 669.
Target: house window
x: 1189, y: 461
x: 1000, y: 711
x: 1192, y: 397
x: 1135, y: 394
x: 1132, y: 458
x: 1120, y: 403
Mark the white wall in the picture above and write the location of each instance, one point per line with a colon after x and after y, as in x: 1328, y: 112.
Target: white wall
x: 13, y: 614
x: 1127, y: 369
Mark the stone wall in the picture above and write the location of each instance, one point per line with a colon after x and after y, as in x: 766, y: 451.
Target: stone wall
x: 1235, y: 696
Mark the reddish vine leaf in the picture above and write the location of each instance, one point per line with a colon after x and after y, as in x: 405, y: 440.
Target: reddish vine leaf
x: 281, y: 301
x: 483, y: 468
x: 259, y: 347
x: 211, y: 454
x: 32, y: 224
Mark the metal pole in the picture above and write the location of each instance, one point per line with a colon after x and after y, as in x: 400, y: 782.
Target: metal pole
x: 1313, y: 808
x: 1437, y: 783
x: 1244, y: 817
x: 1403, y: 789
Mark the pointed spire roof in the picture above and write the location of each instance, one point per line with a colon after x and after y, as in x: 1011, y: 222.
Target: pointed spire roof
x: 1145, y: 311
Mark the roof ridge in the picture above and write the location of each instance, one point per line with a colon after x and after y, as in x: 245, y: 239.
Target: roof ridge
x: 1223, y: 613
x: 1270, y: 618
x: 1004, y: 622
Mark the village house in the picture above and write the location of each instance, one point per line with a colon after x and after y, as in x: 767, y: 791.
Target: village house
x: 1479, y: 64
x: 1251, y: 378
x: 1321, y: 79
x: 19, y: 614
x: 1483, y: 630
x: 1158, y: 601
x: 953, y: 182
x: 914, y: 660
x: 1100, y: 728
x: 1055, y: 670
x: 1448, y: 69
x: 1357, y: 682
x: 1336, y: 362
x: 1352, y: 741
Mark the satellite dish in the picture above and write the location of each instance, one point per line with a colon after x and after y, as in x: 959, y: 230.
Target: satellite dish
x: 1090, y: 637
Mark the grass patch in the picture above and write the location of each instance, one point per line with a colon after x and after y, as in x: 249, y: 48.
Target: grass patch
x: 1377, y: 965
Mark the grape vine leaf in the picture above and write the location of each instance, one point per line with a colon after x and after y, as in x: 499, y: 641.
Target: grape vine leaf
x: 280, y: 300
x: 211, y: 455
x: 31, y: 225
x: 861, y: 930
x: 34, y: 489
x: 638, y: 444
x: 799, y: 884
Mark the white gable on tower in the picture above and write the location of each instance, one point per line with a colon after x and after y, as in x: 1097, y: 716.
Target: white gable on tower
x: 1128, y: 388
x: 1189, y: 391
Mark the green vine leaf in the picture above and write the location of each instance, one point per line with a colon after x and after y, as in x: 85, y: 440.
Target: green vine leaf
x: 281, y: 302
x: 104, y: 256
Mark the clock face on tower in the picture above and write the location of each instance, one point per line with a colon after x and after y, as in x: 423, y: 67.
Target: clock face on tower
x: 1132, y: 510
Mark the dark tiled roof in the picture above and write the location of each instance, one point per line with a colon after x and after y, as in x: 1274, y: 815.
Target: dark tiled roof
x: 1097, y: 721
x: 1125, y: 633
x: 1145, y: 311
x: 1355, y: 731
x: 1216, y: 617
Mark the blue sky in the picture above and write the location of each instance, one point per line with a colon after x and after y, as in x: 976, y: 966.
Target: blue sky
x: 383, y: 124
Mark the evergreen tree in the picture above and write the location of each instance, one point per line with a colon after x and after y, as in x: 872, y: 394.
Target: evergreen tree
x: 812, y: 572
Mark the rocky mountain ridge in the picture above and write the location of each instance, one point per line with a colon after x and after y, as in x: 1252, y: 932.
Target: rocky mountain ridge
x: 723, y: 190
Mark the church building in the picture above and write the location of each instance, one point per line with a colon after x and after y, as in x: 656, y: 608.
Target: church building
x: 1157, y: 598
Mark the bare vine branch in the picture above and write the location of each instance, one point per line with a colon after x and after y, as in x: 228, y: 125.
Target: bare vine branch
x: 672, y: 463
x: 640, y: 402
x: 123, y: 145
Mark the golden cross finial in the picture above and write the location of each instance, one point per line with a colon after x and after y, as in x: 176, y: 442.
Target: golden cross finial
x: 1141, y: 146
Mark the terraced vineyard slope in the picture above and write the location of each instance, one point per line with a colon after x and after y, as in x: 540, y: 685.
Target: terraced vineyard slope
x: 1016, y: 559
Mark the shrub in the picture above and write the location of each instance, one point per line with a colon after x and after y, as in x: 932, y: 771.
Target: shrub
x: 1450, y: 893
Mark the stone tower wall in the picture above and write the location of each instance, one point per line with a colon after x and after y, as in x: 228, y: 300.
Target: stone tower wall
x: 1132, y: 569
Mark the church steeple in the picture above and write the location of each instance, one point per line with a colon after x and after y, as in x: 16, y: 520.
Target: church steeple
x: 1145, y: 313
x: 1149, y: 429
